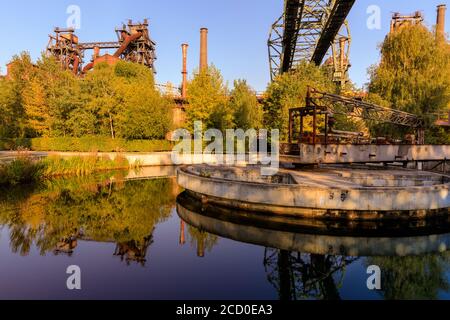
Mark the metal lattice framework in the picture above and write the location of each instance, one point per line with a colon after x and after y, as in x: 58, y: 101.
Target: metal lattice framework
x: 356, y: 108
x: 143, y: 49
x: 63, y: 45
x: 305, y: 31
x: 297, y: 275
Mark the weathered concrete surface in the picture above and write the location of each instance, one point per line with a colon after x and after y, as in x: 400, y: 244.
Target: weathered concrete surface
x: 310, y: 154
x: 144, y: 159
x: 317, y: 244
x: 333, y: 193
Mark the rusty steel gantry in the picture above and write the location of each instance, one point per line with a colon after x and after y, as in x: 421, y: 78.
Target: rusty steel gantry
x: 305, y: 32
x: 134, y: 44
x: 327, y: 105
x: 64, y: 46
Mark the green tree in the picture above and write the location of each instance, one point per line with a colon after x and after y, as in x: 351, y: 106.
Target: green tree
x: 146, y: 115
x: 289, y: 91
x: 100, y: 97
x: 413, y: 277
x: 22, y: 71
x: 208, y: 101
x: 7, y: 98
x: 36, y: 108
x: 247, y: 112
x: 414, y: 75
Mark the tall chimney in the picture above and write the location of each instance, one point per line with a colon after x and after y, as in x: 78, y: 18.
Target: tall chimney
x: 96, y: 52
x: 440, y: 22
x: 203, y: 49
x: 184, y: 47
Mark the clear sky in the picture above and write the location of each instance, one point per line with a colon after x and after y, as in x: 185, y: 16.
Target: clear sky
x: 238, y: 30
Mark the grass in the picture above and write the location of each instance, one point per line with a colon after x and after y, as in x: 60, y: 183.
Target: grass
x: 26, y: 170
x: 20, y: 171
x: 86, y: 144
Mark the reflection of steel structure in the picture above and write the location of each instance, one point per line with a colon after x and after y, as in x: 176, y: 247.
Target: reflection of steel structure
x: 327, y: 105
x: 134, y: 251
x: 63, y: 45
x: 305, y: 32
x: 304, y: 276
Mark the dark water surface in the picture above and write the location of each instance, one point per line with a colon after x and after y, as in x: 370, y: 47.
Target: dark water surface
x: 133, y: 241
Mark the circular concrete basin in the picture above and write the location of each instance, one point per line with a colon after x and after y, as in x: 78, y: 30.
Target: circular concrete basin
x: 328, y: 192
x: 380, y: 240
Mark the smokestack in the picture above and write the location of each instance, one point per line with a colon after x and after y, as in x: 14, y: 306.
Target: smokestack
x: 96, y: 52
x: 203, y: 49
x: 440, y: 22
x: 184, y: 47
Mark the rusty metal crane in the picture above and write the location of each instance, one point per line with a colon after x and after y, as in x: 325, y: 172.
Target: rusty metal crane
x: 64, y: 46
x: 305, y: 32
x: 134, y: 45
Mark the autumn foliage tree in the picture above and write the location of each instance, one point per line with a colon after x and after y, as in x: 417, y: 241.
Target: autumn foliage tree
x: 289, y: 90
x: 208, y: 102
x: 414, y: 76
x: 42, y: 99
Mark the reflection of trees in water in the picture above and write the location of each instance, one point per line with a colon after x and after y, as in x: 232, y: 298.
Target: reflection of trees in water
x: 134, y: 251
x: 413, y: 277
x: 202, y: 240
x: 305, y: 276
x: 56, y: 215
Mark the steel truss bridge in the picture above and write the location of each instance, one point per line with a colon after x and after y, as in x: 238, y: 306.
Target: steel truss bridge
x: 305, y: 32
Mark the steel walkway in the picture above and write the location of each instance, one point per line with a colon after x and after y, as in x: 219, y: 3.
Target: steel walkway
x: 305, y: 31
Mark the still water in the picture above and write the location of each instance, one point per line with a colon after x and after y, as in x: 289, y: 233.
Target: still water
x: 132, y: 239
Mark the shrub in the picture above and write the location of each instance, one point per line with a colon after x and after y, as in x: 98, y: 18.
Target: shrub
x: 19, y: 171
x: 87, y: 144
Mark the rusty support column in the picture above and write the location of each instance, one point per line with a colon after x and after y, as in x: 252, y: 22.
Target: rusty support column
x: 184, y: 47
x: 314, y: 124
x: 96, y: 53
x: 182, y: 233
x: 291, y: 126
x: 203, y: 49
x: 342, y: 41
x: 300, y: 138
x: 440, y: 22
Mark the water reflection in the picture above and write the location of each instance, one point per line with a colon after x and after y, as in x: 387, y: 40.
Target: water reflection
x: 305, y: 259
x: 125, y: 232
x: 57, y: 214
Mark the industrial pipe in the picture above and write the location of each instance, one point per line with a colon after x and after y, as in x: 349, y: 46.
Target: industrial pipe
x: 184, y: 47
x: 128, y: 39
x: 96, y: 53
x: 440, y: 22
x: 88, y: 67
x: 76, y: 63
x: 203, y: 49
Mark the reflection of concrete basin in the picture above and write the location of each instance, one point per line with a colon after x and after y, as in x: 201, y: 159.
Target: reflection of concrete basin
x: 288, y: 234
x: 329, y: 192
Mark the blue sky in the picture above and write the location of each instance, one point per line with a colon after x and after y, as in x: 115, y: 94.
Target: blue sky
x: 238, y: 30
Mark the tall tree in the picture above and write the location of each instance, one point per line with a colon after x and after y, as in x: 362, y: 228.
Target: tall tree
x: 247, y: 112
x: 36, y: 108
x: 208, y: 101
x: 414, y: 74
x: 289, y: 91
